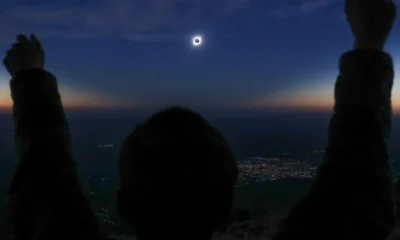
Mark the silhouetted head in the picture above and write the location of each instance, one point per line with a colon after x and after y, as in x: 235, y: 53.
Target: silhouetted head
x: 177, y: 177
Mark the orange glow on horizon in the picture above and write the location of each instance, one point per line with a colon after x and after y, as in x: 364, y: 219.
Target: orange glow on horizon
x: 87, y: 102
x: 257, y: 107
x: 309, y: 104
x: 71, y: 97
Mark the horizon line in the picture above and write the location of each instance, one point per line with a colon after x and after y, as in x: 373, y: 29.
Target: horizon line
x: 303, y: 109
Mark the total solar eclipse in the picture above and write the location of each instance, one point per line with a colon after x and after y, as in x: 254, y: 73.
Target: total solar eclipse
x: 197, y: 41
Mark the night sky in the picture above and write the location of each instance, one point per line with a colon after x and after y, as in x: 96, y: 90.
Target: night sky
x: 137, y: 53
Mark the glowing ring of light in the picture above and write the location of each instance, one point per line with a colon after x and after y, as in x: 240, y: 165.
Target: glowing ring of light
x: 197, y: 41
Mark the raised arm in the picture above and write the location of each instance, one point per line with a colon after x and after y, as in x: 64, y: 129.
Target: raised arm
x: 352, y: 197
x: 44, y: 200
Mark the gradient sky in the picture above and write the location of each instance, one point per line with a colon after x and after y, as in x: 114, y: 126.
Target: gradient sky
x: 126, y: 53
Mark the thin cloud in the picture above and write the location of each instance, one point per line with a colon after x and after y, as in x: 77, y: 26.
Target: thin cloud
x: 286, y: 9
x: 145, y: 37
x: 315, y: 5
x: 139, y: 20
x: 232, y: 6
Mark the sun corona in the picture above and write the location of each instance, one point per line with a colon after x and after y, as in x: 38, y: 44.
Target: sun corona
x: 197, y: 41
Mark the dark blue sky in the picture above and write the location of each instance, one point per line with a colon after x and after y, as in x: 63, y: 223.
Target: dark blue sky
x: 255, y: 53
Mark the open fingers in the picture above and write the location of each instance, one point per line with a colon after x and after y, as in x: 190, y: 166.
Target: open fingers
x: 35, y: 41
x: 22, y: 39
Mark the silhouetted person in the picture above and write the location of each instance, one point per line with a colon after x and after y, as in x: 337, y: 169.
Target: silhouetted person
x: 177, y: 177
x: 352, y: 194
x: 178, y: 173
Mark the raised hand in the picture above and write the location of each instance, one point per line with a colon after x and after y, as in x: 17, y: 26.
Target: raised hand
x: 371, y: 22
x: 24, y: 54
